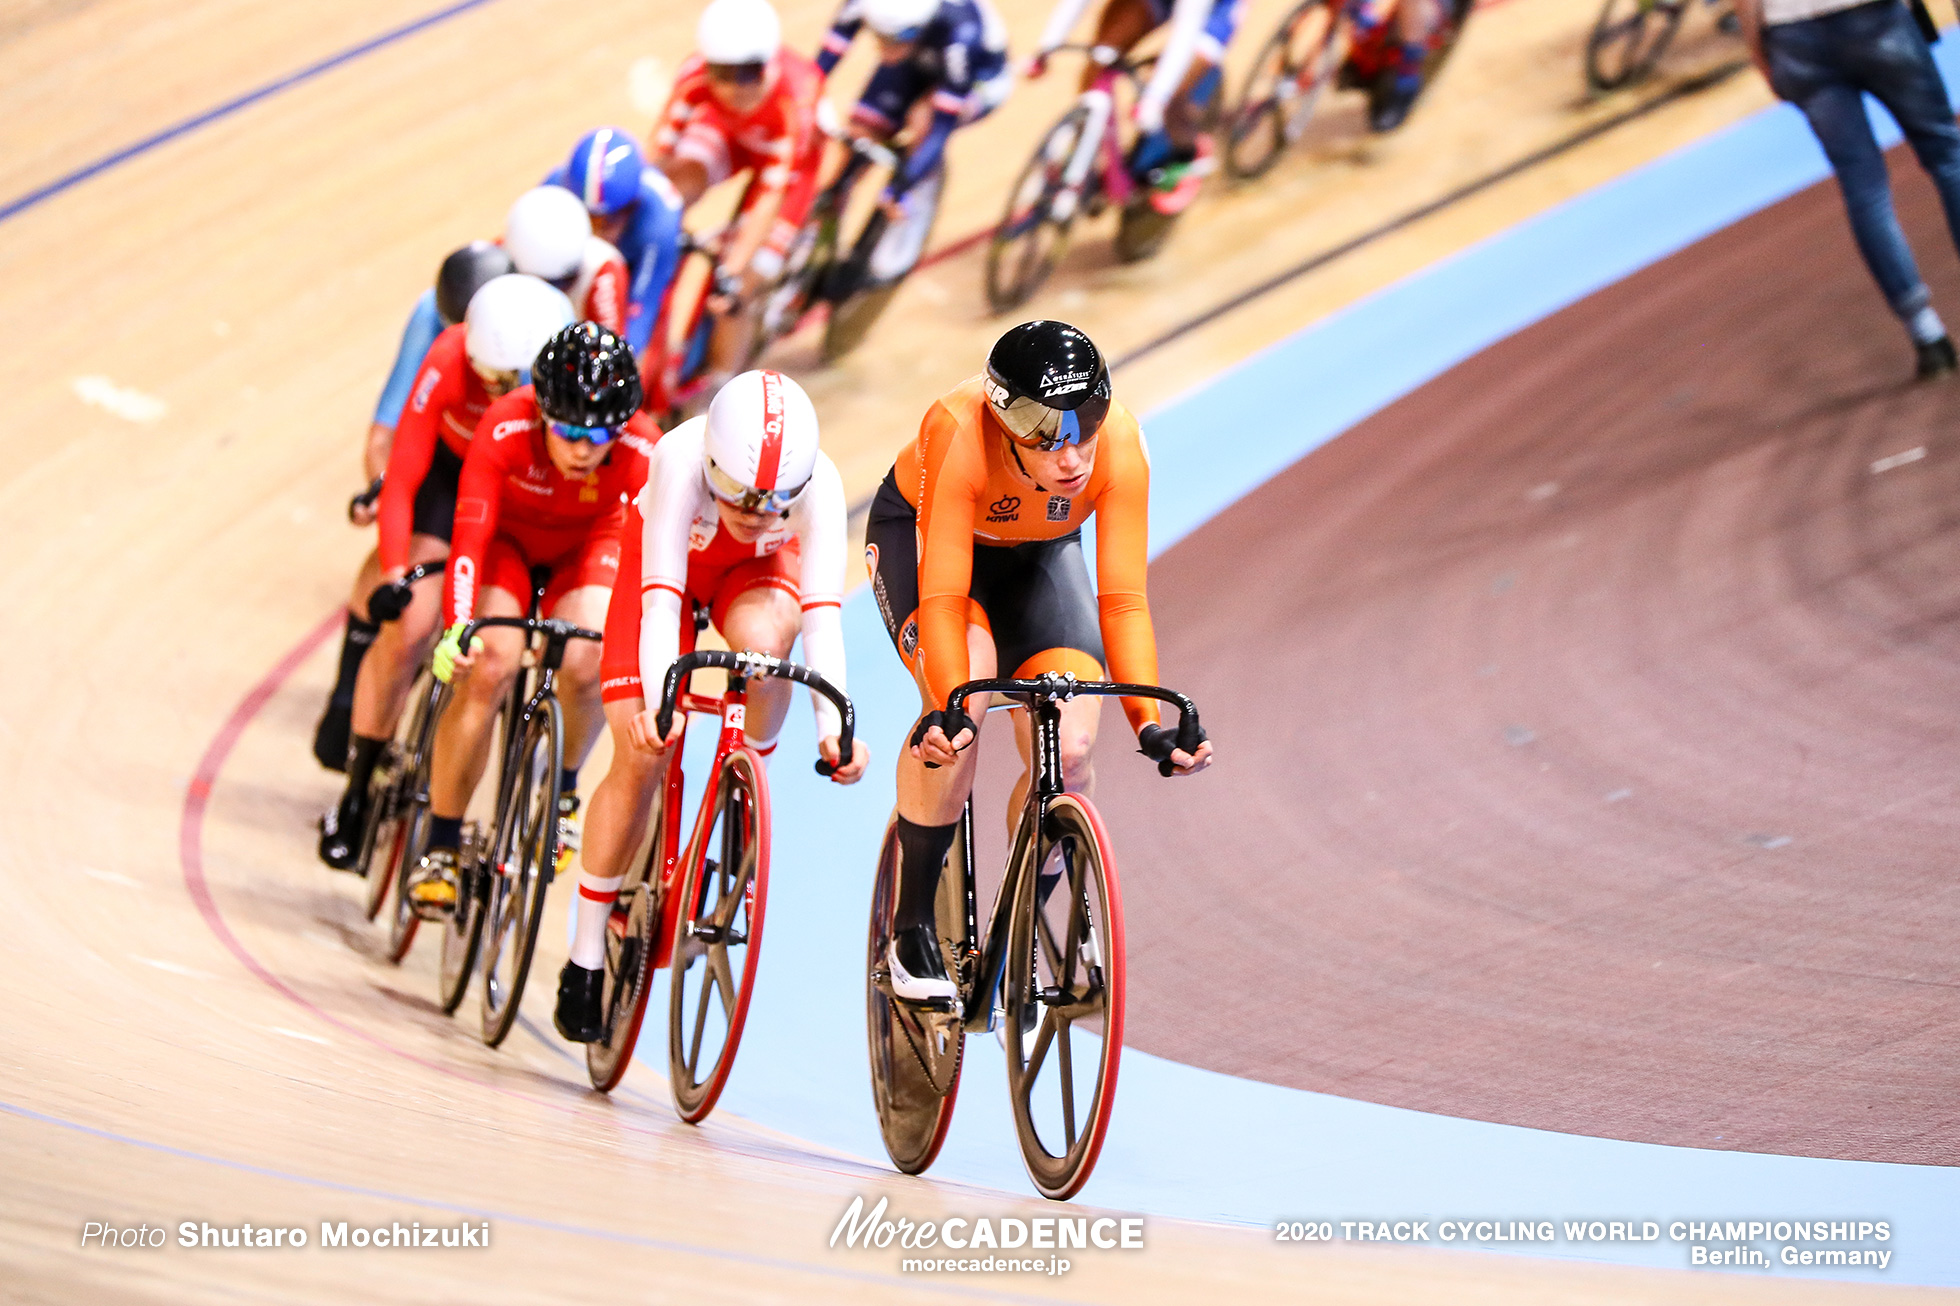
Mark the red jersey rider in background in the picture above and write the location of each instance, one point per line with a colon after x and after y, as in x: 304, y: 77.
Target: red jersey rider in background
x: 545, y: 485
x: 744, y: 516
x: 744, y: 103
x: 469, y: 366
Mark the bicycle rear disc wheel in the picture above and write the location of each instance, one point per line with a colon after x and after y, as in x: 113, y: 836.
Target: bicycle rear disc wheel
x: 1063, y: 998
x: 1030, y: 240
x: 1628, y: 39
x: 1283, y: 88
x: 519, y: 869
x: 630, y: 953
x: 718, y: 938
x: 916, y: 1055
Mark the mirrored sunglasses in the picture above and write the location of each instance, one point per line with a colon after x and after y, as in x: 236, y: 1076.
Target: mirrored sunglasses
x: 1035, y: 425
x: 738, y: 74
x: 746, y: 497
x: 595, y: 435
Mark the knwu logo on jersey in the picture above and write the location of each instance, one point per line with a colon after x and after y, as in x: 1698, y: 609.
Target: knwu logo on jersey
x: 1005, y: 508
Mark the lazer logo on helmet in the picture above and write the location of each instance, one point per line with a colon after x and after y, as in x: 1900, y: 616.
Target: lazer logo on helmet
x: 1055, y: 383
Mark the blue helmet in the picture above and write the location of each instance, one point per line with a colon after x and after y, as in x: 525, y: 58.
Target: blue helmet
x: 604, y: 170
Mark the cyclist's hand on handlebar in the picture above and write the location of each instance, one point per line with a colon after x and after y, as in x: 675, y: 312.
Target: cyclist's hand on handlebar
x: 643, y: 732
x: 845, y: 773
x: 930, y: 743
x: 449, y: 655
x: 1037, y: 65
x: 361, y: 512
x: 1160, y: 745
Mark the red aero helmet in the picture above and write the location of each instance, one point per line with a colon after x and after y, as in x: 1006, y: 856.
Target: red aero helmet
x: 761, y: 442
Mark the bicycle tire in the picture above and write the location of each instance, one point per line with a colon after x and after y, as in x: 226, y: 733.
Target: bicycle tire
x: 1616, y: 54
x: 526, y: 835
x: 914, y: 1099
x: 394, y: 797
x: 722, y: 906
x: 852, y: 316
x: 786, y: 299
x: 410, y: 845
x: 629, y: 965
x: 1141, y: 230
x: 462, y: 934
x: 1029, y: 213
x: 1084, y: 982
x: 1274, y: 104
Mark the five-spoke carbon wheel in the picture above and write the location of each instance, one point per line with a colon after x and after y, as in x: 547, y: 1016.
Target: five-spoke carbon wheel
x: 1629, y: 39
x: 632, y: 939
x: 718, y: 937
x: 1062, y: 991
x: 1283, y: 87
x: 1030, y: 239
x: 916, y: 1054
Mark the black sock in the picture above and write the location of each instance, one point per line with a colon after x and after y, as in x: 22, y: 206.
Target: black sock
x: 362, y: 753
x: 922, y: 853
x: 354, y: 642
x: 445, y: 832
x: 568, y: 781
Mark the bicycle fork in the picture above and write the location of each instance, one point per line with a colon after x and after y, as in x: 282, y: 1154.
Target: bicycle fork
x: 1101, y: 105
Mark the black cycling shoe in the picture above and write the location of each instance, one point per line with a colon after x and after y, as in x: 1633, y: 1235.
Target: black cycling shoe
x: 1936, y: 358
x: 340, y: 831
x: 578, y: 1017
x: 331, y: 736
x: 918, y: 968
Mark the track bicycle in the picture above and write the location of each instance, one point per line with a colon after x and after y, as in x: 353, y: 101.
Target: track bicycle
x: 855, y: 279
x: 1630, y: 36
x: 1317, y: 45
x: 391, y: 799
x: 1048, y: 973
x: 702, y: 915
x: 1080, y: 167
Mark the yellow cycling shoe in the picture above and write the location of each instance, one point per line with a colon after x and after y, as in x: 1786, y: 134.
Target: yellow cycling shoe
x: 432, y: 886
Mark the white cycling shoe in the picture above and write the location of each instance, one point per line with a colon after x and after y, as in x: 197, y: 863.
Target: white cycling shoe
x: 918, y: 971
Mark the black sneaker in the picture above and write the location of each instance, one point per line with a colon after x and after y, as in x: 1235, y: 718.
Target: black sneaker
x: 340, y: 831
x: 1936, y: 358
x: 330, y: 737
x: 918, y: 969
x: 578, y: 1017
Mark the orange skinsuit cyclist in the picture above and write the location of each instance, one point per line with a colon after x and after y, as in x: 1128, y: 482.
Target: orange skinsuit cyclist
x: 974, y: 545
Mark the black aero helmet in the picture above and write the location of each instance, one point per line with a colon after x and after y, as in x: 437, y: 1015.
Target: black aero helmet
x: 586, y: 376
x: 1048, y: 384
x: 464, y: 273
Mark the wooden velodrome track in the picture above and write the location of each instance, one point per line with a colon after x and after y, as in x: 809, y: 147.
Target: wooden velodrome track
x: 189, y: 1034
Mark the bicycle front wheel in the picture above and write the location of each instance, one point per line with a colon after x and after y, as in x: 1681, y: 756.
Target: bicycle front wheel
x: 1283, y: 88
x: 1629, y: 39
x: 1063, y: 997
x: 1031, y: 238
x: 718, y: 937
x: 630, y: 953
x: 916, y: 1053
x: 524, y: 848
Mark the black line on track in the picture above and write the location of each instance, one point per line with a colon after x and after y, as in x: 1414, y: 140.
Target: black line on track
x: 1679, y: 91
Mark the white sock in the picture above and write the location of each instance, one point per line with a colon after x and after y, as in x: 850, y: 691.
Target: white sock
x: 595, y: 902
x: 1925, y: 326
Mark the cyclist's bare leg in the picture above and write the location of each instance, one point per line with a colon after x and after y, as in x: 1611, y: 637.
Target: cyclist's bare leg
x: 764, y: 620
x: 622, y: 805
x: 1121, y: 25
x: 388, y: 671
x: 936, y: 797
x: 1081, y: 717
x: 365, y: 580
x: 578, y: 675
x: 463, y: 736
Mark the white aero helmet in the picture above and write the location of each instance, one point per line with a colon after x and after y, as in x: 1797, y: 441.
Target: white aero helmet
x: 545, y: 232
x: 761, y: 442
x: 509, y: 321
x: 900, y: 20
x: 738, y: 32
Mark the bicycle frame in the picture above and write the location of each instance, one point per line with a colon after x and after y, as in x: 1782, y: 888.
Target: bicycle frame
x: 732, y: 709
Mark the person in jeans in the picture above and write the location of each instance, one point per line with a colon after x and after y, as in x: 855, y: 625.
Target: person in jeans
x: 1822, y: 56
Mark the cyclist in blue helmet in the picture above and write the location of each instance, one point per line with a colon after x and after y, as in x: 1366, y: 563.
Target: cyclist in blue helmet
x: 634, y: 206
x: 946, y: 55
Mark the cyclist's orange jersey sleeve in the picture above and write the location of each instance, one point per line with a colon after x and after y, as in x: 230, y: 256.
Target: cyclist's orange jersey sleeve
x: 967, y: 483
